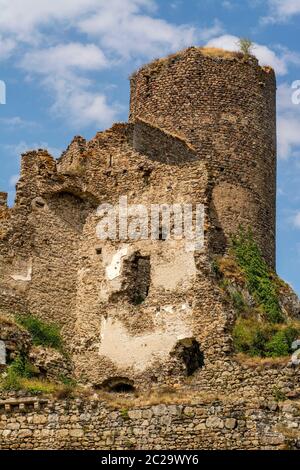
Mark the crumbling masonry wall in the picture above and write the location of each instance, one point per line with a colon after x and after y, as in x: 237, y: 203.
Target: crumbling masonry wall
x: 91, y: 425
x: 201, y: 131
x: 226, y: 109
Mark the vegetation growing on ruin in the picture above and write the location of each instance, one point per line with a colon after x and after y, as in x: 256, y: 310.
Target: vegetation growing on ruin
x: 43, y: 334
x: 263, y: 339
x: 246, y: 46
x: 261, y: 328
x: 259, y: 278
x: 23, y: 375
x: 20, y: 370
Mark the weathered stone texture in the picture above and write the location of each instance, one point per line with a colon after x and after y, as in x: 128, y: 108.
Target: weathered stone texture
x: 34, y: 424
x: 15, y: 339
x: 201, y: 131
x: 226, y: 110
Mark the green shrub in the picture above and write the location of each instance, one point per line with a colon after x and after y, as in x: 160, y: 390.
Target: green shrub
x: 68, y: 381
x: 43, y: 334
x: 246, y: 46
x: 238, y: 301
x: 21, y: 375
x: 259, y: 278
x: 280, y: 343
x: 249, y: 337
x: 12, y: 381
x: 264, y: 340
x: 35, y: 386
x: 278, y: 394
x: 124, y: 414
x: 22, y: 367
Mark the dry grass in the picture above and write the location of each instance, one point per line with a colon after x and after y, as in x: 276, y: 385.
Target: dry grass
x: 7, y: 320
x: 38, y: 386
x: 243, y: 359
x: 268, y: 69
x: 230, y: 270
x: 213, y: 52
x: 167, y: 396
x: 222, y: 53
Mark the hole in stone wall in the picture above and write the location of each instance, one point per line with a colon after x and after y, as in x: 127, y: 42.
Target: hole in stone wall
x: 119, y: 385
x: 138, y: 278
x: 98, y: 251
x: 188, y: 350
x: 147, y: 175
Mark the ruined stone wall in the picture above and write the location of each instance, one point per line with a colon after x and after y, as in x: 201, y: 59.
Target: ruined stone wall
x: 146, y: 312
x: 82, y: 424
x: 39, y: 244
x: 225, y: 108
x: 115, y: 335
x: 123, y: 305
x: 247, y: 379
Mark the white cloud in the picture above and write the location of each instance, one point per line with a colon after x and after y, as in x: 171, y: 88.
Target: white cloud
x: 265, y: 55
x: 24, y: 20
x: 17, y: 149
x: 82, y: 107
x: 16, y: 122
x: 7, y: 46
x: 64, y: 58
x: 125, y: 27
x: 121, y: 29
x: 296, y: 220
x: 63, y: 70
x: 288, y: 123
x: 129, y: 21
x: 227, y: 4
x: 281, y: 11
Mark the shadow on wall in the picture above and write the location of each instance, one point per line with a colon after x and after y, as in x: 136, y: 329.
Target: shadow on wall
x: 188, y: 351
x: 118, y: 385
x: 71, y: 209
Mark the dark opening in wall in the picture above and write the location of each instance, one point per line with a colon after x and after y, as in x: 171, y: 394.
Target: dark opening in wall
x: 138, y: 278
x: 119, y: 385
x: 147, y: 175
x: 188, y: 350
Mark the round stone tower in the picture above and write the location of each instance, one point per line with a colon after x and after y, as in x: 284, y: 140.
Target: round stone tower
x: 224, y: 104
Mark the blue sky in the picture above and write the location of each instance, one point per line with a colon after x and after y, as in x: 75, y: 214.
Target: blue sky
x: 66, y: 65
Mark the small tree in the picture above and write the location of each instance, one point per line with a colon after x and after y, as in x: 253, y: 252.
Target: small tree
x: 246, y: 46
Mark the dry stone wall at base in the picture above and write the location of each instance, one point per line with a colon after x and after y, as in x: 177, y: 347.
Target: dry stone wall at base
x: 246, y: 381
x: 33, y: 424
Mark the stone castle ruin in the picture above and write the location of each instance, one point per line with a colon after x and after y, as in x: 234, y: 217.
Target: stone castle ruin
x: 141, y: 313
x: 201, y: 130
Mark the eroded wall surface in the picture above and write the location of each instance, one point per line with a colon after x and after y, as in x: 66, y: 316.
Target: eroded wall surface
x: 146, y: 311
x: 41, y: 424
x: 226, y: 109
